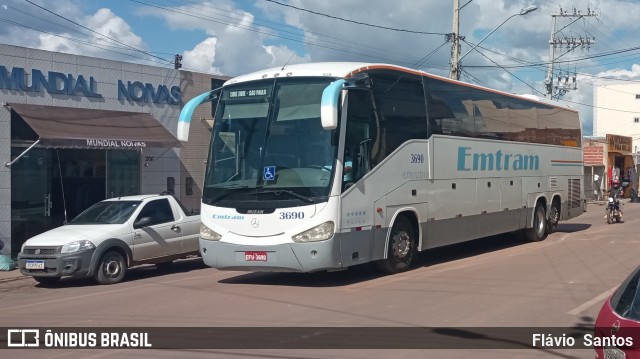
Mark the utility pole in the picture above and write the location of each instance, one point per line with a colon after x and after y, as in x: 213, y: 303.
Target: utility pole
x: 563, y: 84
x: 454, y: 72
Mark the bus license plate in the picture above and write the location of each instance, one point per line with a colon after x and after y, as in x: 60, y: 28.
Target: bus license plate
x: 34, y: 264
x: 255, y: 256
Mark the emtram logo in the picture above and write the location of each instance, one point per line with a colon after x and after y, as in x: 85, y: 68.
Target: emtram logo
x: 498, y: 161
x: 23, y: 338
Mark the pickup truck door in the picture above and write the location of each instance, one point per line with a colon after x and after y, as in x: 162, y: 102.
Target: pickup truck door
x: 162, y: 236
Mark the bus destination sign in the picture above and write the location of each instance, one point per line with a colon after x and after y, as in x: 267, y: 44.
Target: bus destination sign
x: 248, y: 93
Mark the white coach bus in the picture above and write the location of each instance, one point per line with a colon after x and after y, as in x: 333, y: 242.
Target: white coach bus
x: 323, y: 166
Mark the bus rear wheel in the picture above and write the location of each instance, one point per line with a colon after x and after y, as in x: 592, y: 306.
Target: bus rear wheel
x: 539, y: 230
x: 402, y: 247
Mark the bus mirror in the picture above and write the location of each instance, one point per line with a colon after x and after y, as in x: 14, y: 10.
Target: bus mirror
x: 184, y: 120
x: 329, y: 105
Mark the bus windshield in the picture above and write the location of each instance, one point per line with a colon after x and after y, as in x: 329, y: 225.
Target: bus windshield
x: 268, y: 144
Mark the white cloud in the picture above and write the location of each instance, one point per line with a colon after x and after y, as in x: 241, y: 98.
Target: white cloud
x: 235, y: 43
x: 202, y: 57
x: 104, y: 22
x: 57, y: 34
x: 634, y: 73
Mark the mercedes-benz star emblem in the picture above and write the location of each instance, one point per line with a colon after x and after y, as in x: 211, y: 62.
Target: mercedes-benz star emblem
x: 255, y: 223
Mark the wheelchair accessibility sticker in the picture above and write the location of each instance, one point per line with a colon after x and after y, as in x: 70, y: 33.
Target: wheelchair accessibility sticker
x: 269, y: 173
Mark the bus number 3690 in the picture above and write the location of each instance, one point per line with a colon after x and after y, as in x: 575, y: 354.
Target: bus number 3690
x: 291, y: 215
x: 417, y: 158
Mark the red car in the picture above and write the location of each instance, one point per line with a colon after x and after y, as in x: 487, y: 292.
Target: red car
x: 617, y: 332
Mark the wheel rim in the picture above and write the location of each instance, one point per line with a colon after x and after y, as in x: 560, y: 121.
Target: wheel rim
x: 112, y: 267
x: 401, y: 244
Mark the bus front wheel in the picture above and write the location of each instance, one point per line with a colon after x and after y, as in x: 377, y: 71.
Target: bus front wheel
x: 539, y: 230
x: 402, y: 247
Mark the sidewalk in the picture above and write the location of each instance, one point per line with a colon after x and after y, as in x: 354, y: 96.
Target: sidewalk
x: 7, y: 276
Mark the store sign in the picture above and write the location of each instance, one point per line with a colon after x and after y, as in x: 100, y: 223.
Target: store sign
x: 79, y: 85
x: 54, y: 83
x: 139, y: 92
x: 101, y: 143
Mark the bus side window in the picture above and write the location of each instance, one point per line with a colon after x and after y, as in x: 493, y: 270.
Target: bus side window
x: 401, y: 103
x: 360, y: 136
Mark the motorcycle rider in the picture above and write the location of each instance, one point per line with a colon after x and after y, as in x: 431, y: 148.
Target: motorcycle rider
x: 616, y: 191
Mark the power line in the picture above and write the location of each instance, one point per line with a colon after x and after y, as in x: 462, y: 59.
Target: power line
x: 426, y: 57
x: 95, y: 32
x: 564, y: 100
x: 356, y: 22
x: 257, y: 30
x: 276, y: 26
x: 578, y: 59
x: 80, y: 41
x: 538, y: 67
x: 68, y: 28
x: 509, y: 72
x: 252, y: 29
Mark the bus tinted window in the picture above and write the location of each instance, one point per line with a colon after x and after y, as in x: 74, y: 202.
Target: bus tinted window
x: 451, y: 109
x: 400, y: 102
x: 460, y: 110
x: 523, y: 121
x: 557, y: 127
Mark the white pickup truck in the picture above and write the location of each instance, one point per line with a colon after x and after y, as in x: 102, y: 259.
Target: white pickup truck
x: 111, y: 236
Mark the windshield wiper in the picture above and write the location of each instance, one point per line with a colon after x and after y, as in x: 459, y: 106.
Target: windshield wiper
x: 291, y: 193
x: 228, y: 191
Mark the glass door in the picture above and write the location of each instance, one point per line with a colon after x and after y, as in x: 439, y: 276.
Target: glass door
x: 123, y: 173
x: 31, y: 195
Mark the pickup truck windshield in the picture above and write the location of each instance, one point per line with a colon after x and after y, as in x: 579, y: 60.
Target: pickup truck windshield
x: 107, y: 212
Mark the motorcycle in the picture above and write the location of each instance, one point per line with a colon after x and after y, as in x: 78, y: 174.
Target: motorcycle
x: 613, y: 209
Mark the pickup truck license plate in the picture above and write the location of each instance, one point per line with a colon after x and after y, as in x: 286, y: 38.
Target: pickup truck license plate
x: 255, y: 256
x: 39, y: 264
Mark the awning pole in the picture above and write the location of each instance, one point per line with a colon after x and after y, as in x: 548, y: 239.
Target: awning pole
x: 8, y: 164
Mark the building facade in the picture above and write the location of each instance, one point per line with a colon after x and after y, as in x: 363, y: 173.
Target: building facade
x: 610, y: 97
x: 605, y: 159
x: 75, y: 130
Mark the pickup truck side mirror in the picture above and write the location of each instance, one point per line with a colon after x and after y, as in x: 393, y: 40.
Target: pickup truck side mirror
x: 142, y: 222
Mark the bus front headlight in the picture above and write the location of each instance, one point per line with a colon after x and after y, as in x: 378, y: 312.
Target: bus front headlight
x: 315, y: 234
x: 209, y: 234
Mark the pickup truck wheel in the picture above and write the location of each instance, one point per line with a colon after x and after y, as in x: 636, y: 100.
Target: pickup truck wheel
x: 111, y: 268
x: 45, y: 281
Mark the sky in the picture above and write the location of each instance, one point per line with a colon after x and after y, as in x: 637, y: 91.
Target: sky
x: 230, y: 38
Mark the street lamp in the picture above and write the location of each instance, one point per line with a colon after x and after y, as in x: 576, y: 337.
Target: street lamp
x: 524, y: 11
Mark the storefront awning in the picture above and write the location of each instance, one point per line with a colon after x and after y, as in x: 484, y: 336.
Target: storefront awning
x: 68, y: 127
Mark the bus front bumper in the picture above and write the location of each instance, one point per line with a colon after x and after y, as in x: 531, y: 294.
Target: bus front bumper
x: 288, y: 257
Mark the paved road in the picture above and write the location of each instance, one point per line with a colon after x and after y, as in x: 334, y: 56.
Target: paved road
x: 493, y: 282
